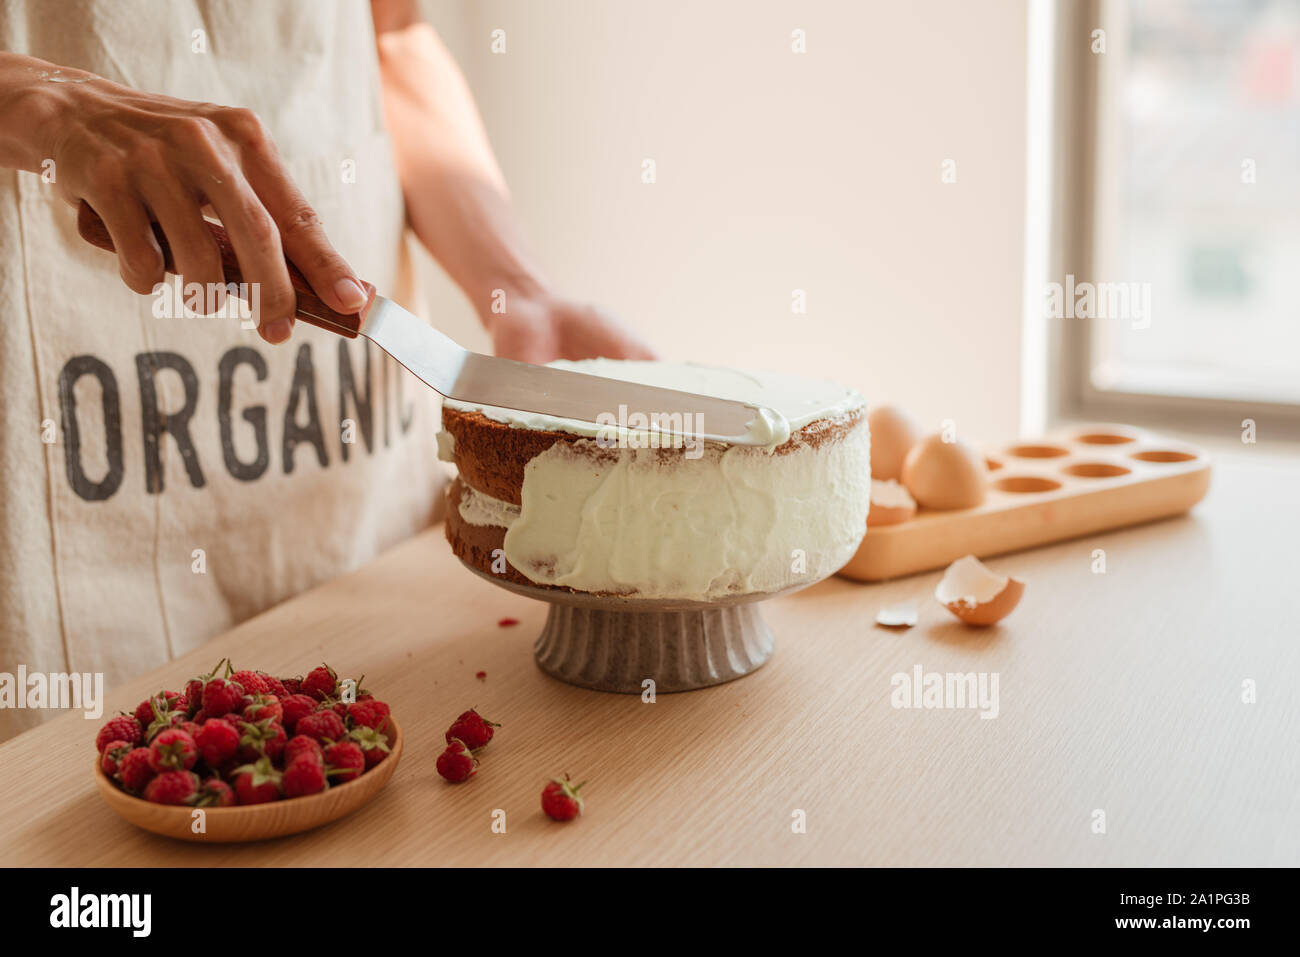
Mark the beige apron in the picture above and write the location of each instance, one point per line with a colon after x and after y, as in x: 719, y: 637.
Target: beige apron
x: 163, y: 479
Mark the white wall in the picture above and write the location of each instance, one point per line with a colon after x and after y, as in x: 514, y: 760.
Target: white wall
x: 776, y: 171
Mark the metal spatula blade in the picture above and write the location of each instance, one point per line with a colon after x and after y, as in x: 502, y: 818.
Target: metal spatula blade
x: 470, y: 377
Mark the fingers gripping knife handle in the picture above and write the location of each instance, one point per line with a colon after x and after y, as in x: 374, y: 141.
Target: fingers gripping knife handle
x: 310, y: 307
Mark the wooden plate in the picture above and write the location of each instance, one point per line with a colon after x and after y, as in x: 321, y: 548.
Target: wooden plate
x: 254, y: 822
x: 1086, y: 480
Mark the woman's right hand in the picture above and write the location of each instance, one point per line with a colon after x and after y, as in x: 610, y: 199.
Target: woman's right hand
x: 140, y: 157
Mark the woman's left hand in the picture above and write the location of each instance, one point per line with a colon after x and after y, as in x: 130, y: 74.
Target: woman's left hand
x: 539, y: 330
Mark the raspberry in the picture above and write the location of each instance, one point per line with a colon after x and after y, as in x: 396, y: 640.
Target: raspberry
x: 259, y: 707
x: 122, y: 728
x: 301, y: 745
x: 221, y: 696
x: 321, y: 683
x: 345, y: 761
x: 217, y: 741
x: 373, y: 744
x: 215, y: 792
x: 163, y: 721
x: 323, y: 726
x: 507, y: 622
x: 275, y: 686
x: 473, y: 729
x: 291, y: 686
x: 295, y: 707
x: 258, y: 783
x: 560, y: 800
x: 194, y: 688
x: 260, y: 738
x: 457, y: 763
x: 304, y: 775
x: 135, y: 769
x: 172, y: 787
x: 112, y: 756
x: 173, y: 750
x: 253, y: 682
x: 163, y: 701
x: 369, y: 714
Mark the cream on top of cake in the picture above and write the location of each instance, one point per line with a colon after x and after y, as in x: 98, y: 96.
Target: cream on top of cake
x: 800, y: 400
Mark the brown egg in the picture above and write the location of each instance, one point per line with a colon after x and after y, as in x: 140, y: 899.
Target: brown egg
x: 893, y: 434
x: 943, y: 474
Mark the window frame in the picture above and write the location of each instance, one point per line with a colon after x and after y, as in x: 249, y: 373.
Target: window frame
x: 1073, y: 222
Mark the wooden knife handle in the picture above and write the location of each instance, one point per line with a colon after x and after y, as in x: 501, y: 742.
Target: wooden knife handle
x: 310, y: 307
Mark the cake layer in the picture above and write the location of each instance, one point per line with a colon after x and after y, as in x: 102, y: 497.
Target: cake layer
x: 481, y: 546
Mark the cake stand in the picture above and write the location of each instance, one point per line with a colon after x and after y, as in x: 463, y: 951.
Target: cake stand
x: 611, y: 643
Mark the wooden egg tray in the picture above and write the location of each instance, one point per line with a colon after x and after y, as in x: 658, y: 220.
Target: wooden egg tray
x: 1082, y: 481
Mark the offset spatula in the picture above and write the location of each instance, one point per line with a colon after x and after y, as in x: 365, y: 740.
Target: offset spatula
x: 471, y: 377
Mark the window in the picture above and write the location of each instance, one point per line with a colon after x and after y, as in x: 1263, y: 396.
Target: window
x: 1192, y: 121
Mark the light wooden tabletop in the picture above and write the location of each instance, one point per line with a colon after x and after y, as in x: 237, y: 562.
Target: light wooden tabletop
x: 1119, y: 692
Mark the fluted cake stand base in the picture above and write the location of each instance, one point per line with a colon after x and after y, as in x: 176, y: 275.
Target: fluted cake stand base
x: 608, y: 643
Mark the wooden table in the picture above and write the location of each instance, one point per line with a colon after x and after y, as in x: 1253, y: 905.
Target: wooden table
x: 1119, y: 691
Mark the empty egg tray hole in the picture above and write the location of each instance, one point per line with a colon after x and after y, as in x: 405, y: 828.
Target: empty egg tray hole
x: 1096, y: 470
x: 1163, y: 456
x: 1105, y: 438
x: 1037, y: 451
x: 1026, y: 483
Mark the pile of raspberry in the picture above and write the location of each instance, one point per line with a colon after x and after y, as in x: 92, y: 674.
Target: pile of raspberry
x: 245, y: 737
x: 469, y: 734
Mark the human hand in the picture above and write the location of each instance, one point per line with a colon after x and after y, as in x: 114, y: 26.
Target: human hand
x: 136, y: 157
x: 540, y: 329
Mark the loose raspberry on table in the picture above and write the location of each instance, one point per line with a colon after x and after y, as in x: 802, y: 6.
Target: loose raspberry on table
x: 560, y: 800
x: 472, y: 728
x: 457, y: 763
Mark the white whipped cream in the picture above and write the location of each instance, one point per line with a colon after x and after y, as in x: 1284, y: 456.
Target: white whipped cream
x: 735, y: 521
x: 479, y: 509
x: 790, y: 401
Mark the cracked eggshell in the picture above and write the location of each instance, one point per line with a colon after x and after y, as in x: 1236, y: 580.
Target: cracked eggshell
x: 890, y: 504
x: 898, y: 616
x: 976, y: 594
x: 893, y: 434
x: 945, y: 475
